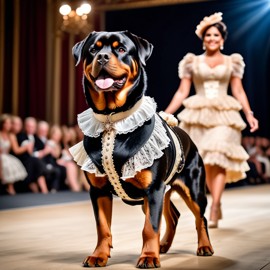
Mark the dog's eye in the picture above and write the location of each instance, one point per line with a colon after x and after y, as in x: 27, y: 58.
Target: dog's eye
x: 93, y: 50
x: 121, y: 50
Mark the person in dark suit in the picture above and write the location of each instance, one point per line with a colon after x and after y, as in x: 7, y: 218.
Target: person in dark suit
x: 55, y: 174
x: 34, y: 166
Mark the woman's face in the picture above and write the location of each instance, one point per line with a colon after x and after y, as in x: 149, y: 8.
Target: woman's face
x: 213, y: 39
x: 7, y: 125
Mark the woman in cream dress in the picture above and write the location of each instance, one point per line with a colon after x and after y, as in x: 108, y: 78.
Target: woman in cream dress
x: 11, y: 168
x: 211, y: 117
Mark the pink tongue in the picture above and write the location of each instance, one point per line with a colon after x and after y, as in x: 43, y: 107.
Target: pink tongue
x: 104, y: 83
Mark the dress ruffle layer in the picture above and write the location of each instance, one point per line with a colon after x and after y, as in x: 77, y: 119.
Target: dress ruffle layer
x: 210, y: 117
x: 235, y: 169
x: 222, y: 102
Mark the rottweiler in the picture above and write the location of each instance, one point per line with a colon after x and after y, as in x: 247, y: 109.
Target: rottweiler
x: 130, y: 151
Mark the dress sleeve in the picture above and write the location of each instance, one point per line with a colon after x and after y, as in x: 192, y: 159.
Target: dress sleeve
x: 186, y: 65
x: 238, y: 65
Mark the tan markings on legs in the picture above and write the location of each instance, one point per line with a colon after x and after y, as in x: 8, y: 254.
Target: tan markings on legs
x: 142, y: 179
x: 171, y: 216
x: 150, y: 251
x: 101, y: 254
x: 97, y: 182
x: 204, y: 245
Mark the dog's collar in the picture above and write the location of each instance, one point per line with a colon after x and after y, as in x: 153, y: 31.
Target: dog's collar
x: 130, y: 120
x: 114, y: 117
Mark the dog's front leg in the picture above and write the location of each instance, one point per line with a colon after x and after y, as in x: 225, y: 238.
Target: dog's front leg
x: 153, y: 204
x: 102, y: 205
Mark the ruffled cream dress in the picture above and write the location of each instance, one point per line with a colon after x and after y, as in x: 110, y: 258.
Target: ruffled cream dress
x: 211, y: 117
x: 12, y: 170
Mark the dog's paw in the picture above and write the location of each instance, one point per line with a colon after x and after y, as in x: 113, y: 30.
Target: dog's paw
x: 164, y: 247
x: 92, y: 261
x: 148, y: 262
x: 205, y: 251
x: 169, y: 118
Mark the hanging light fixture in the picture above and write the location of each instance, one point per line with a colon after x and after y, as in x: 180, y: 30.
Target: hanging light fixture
x: 75, y: 21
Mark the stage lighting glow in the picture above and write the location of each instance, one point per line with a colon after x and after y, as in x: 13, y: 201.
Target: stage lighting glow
x: 251, y: 16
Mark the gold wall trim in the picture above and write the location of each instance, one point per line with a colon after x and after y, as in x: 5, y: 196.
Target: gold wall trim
x: 71, y: 81
x: 49, y: 59
x: 55, y: 98
x: 107, y: 5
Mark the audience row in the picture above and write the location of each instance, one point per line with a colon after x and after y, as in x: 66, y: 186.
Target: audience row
x: 258, y: 149
x: 35, y: 156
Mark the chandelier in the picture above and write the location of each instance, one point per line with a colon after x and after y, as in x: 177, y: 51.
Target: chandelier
x: 76, y: 21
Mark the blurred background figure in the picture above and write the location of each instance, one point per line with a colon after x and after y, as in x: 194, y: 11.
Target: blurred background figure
x: 34, y: 166
x: 55, y: 174
x: 59, y: 142
x: 11, y: 168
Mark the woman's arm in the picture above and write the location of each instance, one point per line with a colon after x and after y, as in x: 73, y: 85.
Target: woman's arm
x: 181, y: 93
x: 15, y: 146
x: 239, y: 93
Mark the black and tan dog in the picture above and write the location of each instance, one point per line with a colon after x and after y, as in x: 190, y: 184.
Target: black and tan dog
x: 130, y: 151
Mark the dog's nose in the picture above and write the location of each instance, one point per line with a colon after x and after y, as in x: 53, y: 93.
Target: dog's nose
x: 103, y: 58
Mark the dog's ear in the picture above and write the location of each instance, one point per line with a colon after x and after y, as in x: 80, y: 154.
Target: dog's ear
x: 144, y: 47
x: 78, y: 48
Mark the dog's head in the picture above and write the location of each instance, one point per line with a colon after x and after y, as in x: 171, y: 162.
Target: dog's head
x: 114, y: 78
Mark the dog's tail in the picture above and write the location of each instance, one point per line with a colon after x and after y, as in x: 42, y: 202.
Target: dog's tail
x: 169, y: 118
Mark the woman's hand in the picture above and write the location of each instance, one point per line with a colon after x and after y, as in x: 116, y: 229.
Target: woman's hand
x: 253, y: 122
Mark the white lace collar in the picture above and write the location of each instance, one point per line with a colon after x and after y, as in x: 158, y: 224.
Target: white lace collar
x: 92, y: 127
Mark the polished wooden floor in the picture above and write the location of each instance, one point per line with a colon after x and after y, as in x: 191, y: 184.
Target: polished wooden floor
x: 60, y: 236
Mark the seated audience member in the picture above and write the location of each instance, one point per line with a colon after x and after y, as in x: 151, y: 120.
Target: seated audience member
x: 261, y: 146
x: 34, y: 166
x: 258, y: 160
x: 55, y: 174
x: 63, y: 158
x: 17, y: 124
x: 11, y: 168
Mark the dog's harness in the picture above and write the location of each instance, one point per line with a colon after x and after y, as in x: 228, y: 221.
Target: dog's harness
x: 108, y: 163
x: 109, y: 127
x: 179, y: 160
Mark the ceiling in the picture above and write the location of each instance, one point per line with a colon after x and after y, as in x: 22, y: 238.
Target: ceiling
x: 104, y: 5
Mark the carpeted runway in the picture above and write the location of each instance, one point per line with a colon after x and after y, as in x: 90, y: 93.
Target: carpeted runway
x: 57, y: 231
x: 22, y: 200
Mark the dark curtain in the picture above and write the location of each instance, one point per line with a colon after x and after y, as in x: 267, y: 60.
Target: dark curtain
x: 80, y: 102
x: 8, y: 45
x: 171, y: 29
x: 32, y: 59
x: 64, y: 98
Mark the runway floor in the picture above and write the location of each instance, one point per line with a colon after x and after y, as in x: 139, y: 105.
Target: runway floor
x: 60, y: 236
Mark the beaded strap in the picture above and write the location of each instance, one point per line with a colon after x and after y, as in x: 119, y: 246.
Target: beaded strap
x: 108, y: 164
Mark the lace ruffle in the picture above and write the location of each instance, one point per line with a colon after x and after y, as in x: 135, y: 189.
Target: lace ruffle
x: 82, y: 159
x: 151, y: 151
x: 145, y: 157
x: 91, y: 127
